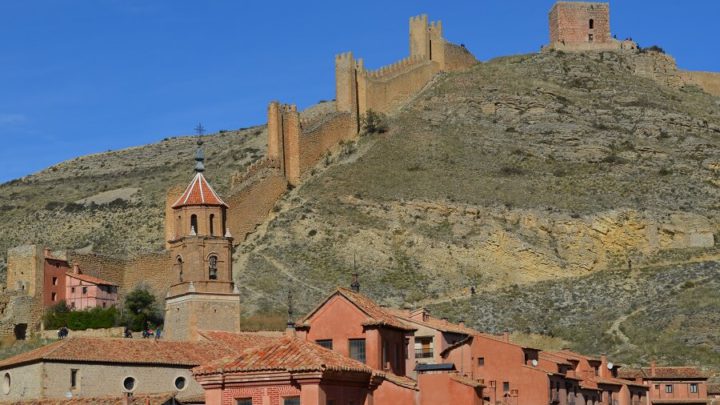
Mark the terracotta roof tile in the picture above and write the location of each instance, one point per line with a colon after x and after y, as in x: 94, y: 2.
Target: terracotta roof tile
x: 664, y: 372
x: 239, y: 342
x: 618, y: 381
x: 570, y: 355
x: 154, y: 399
x: 433, y: 323
x: 402, y: 381
x: 90, y: 279
x: 713, y: 389
x: 377, y: 316
x: 554, y: 358
x: 285, y: 354
x: 466, y: 380
x: 199, y: 192
x: 133, y: 351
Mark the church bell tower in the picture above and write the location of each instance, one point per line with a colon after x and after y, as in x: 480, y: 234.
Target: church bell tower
x: 202, y: 295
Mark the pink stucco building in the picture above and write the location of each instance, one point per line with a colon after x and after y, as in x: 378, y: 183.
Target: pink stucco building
x: 85, y: 292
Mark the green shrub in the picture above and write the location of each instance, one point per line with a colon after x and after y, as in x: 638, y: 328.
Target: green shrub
x: 141, y: 309
x: 653, y: 48
x: 96, y: 318
x: 374, y: 122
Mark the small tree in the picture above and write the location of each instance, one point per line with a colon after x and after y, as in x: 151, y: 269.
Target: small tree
x: 374, y: 122
x: 141, y: 309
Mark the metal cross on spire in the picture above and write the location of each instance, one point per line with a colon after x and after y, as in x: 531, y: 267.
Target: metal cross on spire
x: 200, y: 129
x: 200, y: 154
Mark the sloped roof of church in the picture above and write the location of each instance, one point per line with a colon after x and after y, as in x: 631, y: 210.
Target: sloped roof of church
x: 124, y: 351
x: 199, y: 192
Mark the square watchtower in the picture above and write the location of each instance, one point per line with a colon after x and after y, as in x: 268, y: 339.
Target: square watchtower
x: 575, y: 24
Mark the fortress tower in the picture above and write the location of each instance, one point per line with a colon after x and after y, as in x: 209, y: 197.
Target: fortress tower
x: 583, y: 26
x: 202, y: 295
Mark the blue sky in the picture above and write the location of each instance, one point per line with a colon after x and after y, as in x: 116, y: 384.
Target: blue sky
x: 85, y: 76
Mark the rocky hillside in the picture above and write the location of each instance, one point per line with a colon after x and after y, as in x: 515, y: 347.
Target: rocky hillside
x: 577, y: 199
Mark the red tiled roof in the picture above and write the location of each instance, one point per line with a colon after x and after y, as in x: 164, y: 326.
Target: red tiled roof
x: 618, y: 381
x: 133, y: 351
x: 285, y: 354
x: 466, y: 380
x: 433, y: 323
x: 554, y: 358
x: 199, y: 192
x: 154, y: 399
x: 238, y: 342
x: 713, y: 389
x: 377, y: 316
x: 89, y: 279
x: 402, y: 381
x: 663, y: 372
x: 570, y: 355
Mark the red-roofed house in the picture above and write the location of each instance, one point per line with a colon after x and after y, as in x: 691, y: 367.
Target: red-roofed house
x: 671, y: 385
x: 356, y: 327
x: 85, y: 292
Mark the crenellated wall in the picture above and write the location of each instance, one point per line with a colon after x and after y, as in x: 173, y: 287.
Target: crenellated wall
x: 359, y: 90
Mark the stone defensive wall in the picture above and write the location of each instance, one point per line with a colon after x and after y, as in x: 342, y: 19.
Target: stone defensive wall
x: 708, y: 81
x: 296, y: 145
x: 151, y: 270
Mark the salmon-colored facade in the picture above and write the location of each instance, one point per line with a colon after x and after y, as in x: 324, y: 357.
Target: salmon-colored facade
x: 54, y: 271
x: 86, y: 292
x: 671, y: 385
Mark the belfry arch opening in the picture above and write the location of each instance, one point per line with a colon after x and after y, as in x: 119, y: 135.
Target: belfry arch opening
x: 212, y: 224
x: 591, y: 24
x: 193, y: 224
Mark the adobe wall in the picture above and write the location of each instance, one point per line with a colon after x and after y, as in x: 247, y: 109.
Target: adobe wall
x: 658, y: 67
x: 387, y: 88
x: 153, y: 270
x: 382, y: 90
x: 708, y: 81
x: 316, y: 140
x: 105, y: 267
x: 458, y: 58
x: 251, y: 204
x: 172, y: 195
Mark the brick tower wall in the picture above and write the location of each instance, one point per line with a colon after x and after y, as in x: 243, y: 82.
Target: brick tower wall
x: 570, y: 23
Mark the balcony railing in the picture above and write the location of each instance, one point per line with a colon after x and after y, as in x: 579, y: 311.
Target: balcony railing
x: 420, y: 354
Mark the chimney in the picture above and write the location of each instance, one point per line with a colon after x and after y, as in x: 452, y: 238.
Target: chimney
x: 76, y: 268
x: 290, y: 329
x: 604, y: 371
x: 461, y: 323
x: 444, y: 320
x: 127, y: 398
x: 47, y: 253
x: 355, y: 285
x: 506, y: 336
x: 652, y: 368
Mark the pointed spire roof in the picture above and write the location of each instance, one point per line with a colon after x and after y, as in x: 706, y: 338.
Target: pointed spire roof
x: 199, y: 192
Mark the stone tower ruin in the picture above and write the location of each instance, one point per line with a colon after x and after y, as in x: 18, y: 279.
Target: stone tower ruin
x: 583, y: 26
x: 202, y: 295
